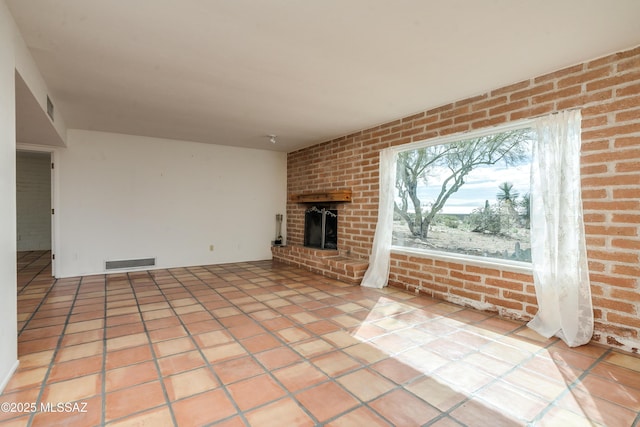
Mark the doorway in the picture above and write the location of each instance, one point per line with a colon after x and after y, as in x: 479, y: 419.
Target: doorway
x: 33, y: 206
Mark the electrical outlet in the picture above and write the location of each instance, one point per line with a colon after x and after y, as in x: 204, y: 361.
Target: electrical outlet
x: 210, y: 248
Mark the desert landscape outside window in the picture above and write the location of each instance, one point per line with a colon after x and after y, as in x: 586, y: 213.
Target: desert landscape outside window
x: 468, y: 196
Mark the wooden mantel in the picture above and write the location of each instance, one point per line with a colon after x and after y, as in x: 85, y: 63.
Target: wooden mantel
x: 322, y: 196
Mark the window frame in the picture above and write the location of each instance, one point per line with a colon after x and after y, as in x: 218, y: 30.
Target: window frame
x: 498, y: 263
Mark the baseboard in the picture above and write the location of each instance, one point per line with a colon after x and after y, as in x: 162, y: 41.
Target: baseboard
x: 5, y: 380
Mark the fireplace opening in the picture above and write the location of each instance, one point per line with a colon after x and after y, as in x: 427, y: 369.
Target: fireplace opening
x: 321, y: 228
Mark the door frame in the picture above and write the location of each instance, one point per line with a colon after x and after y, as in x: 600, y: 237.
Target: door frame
x: 54, y: 194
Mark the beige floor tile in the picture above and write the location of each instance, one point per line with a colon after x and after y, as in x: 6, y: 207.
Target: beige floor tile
x: 365, y: 385
x: 189, y: 383
x: 284, y: 412
x: 437, y: 393
x: 402, y: 408
x: 224, y: 352
x: 75, y: 389
x: 174, y: 346
x: 326, y: 400
x: 127, y: 341
x: 158, y: 417
x: 255, y: 391
x: 359, y: 417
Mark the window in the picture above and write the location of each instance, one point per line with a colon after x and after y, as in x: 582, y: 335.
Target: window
x: 466, y: 196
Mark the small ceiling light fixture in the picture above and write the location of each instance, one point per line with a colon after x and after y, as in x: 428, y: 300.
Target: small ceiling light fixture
x: 272, y: 139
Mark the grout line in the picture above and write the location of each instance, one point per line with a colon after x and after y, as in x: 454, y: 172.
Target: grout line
x: 209, y: 365
x: 44, y: 297
x: 55, y: 352
x: 330, y: 379
x: 154, y: 358
x: 38, y: 273
x: 153, y: 355
x: 572, y: 386
x: 305, y: 359
x: 249, y: 353
x: 37, y: 309
x: 103, y: 417
x: 31, y: 258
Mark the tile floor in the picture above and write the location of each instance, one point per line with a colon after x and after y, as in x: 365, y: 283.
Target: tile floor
x: 263, y: 344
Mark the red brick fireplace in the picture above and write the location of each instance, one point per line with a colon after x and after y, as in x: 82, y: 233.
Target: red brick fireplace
x: 338, y: 263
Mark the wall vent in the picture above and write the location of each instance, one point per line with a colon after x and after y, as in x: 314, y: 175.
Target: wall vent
x: 130, y: 263
x: 49, y: 107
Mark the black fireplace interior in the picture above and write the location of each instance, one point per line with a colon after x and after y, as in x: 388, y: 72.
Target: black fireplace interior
x: 321, y: 228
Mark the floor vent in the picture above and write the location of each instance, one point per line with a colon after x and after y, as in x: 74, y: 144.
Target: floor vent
x: 130, y: 263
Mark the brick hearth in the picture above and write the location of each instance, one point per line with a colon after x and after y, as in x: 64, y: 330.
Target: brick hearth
x: 329, y: 263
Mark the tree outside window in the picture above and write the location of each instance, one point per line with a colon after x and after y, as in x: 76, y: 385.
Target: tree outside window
x: 468, y: 197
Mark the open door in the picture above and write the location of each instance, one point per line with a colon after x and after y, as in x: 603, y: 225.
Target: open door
x: 34, y: 203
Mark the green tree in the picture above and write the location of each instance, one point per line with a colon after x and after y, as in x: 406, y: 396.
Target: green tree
x: 507, y: 194
x: 459, y: 159
x: 485, y: 220
x: 508, y: 198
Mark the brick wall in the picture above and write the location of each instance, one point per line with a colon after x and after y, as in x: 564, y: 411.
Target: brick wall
x: 607, y: 90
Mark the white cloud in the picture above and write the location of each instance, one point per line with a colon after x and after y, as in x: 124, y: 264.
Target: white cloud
x: 480, y: 185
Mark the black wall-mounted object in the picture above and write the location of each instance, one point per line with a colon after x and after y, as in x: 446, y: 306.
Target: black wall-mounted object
x: 49, y: 107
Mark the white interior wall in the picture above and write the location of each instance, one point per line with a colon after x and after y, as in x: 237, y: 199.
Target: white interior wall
x: 8, y: 299
x: 127, y: 197
x: 33, y: 200
x: 25, y: 65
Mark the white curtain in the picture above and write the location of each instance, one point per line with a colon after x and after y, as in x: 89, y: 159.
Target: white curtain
x: 558, y: 248
x: 377, y: 275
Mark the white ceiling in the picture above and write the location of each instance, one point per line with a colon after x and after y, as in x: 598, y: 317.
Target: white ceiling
x: 234, y: 71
